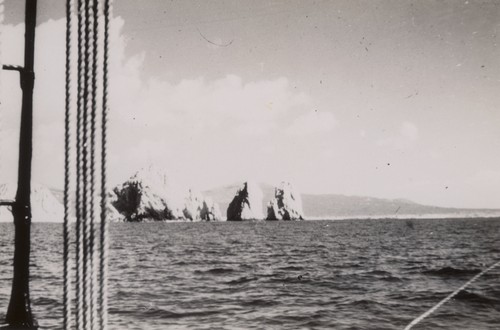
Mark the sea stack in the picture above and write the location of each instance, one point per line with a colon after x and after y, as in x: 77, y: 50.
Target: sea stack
x: 199, y: 208
x: 210, y: 211
x: 148, y: 196
x: 286, y: 204
x: 193, y: 206
x: 246, y: 204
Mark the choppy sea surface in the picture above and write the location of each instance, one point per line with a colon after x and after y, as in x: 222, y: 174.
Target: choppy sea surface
x: 352, y: 274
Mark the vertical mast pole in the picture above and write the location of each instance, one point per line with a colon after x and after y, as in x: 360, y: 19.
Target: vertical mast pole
x: 19, y: 312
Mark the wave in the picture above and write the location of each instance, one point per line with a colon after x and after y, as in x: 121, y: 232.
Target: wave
x: 159, y: 313
x: 451, y: 271
x: 164, y: 314
x: 241, y: 280
x: 363, y: 303
x: 291, y: 268
x: 476, y: 297
x: 293, y: 279
x: 379, y: 273
x: 259, y: 303
x: 215, y: 271
x: 44, y: 301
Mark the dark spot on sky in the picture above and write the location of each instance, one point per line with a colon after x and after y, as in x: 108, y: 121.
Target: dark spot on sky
x: 388, y: 164
x: 482, y: 66
x: 446, y: 187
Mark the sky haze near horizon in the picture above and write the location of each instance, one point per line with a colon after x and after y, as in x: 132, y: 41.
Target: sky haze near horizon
x: 393, y: 99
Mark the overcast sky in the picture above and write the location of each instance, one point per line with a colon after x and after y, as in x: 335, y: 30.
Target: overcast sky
x: 396, y: 99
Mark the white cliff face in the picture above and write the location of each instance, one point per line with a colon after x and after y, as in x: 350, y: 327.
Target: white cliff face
x: 44, y: 205
x: 156, y: 182
x: 246, y: 204
x: 113, y: 215
x: 286, y: 204
x: 210, y: 210
x: 150, y: 195
x: 193, y: 205
x: 199, y: 208
x: 147, y: 195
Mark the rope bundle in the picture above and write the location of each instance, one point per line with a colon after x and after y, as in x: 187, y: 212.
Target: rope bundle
x: 87, y: 28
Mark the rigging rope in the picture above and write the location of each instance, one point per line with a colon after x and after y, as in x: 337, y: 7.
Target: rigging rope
x: 1, y: 96
x: 67, y: 173
x: 85, y: 141
x: 78, y: 211
x: 103, y: 266
x: 95, y: 53
x: 450, y: 296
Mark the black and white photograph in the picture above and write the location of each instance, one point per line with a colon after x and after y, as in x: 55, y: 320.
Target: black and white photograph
x: 250, y: 164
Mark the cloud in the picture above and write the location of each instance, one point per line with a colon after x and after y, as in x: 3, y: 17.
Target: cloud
x: 409, y: 131
x: 312, y: 122
x: 406, y: 136
x: 191, y: 127
x: 485, y: 178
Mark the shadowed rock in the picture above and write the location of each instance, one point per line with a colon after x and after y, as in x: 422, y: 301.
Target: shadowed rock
x: 193, y: 206
x: 286, y: 204
x: 246, y: 204
x: 146, y: 196
x: 210, y: 211
x: 198, y: 208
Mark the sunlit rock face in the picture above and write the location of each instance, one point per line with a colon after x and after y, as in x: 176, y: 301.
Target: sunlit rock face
x: 199, y: 208
x: 193, y: 205
x: 246, y: 204
x: 210, y: 211
x: 147, y: 195
x: 44, y: 205
x: 286, y: 204
x: 112, y: 213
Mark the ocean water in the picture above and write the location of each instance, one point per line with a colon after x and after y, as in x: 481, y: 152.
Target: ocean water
x: 364, y: 274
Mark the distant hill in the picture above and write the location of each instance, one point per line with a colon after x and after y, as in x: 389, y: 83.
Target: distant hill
x: 45, y: 207
x: 333, y: 206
